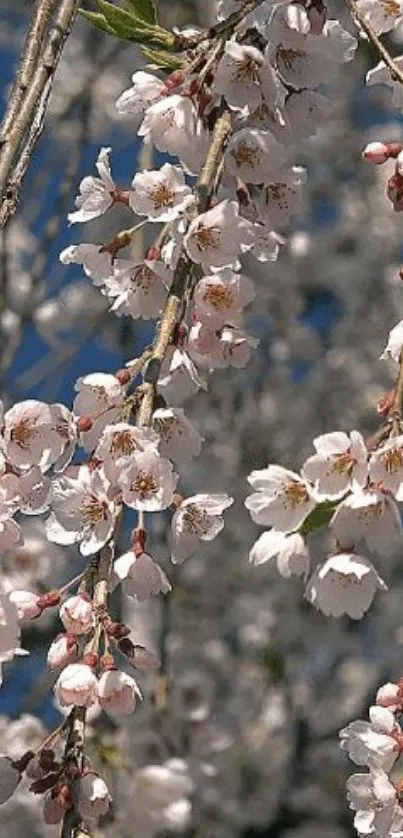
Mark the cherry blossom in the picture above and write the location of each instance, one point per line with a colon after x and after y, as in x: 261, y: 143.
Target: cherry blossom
x: 30, y: 434
x: 117, y: 692
x: 178, y: 438
x: 386, y: 466
x: 373, y: 797
x: 179, y: 378
x: 118, y: 444
x: 26, y: 603
x: 340, y: 463
x: 96, y: 195
x: 77, y: 615
x: 371, y: 516
x: 141, y: 576
x: 62, y: 651
x: 389, y: 696
x: 291, y: 552
x: 208, y: 242
x: 382, y: 15
x: 244, y: 76
x: 220, y: 296
x: 282, y: 498
x: 148, y: 482
x: 137, y: 289
x: 199, y: 518
x: 96, y: 262
x: 83, y: 511
x: 100, y: 397
x: 76, y: 686
x: 170, y: 123
x: 345, y: 583
x: 161, y: 195
x: 395, y: 343
x: 372, y: 743
x: 145, y: 90
x: 254, y: 156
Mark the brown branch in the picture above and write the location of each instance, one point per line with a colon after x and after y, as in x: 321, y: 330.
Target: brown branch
x: 26, y: 111
x: 395, y: 71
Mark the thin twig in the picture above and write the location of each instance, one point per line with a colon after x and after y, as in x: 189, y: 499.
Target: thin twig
x: 395, y: 71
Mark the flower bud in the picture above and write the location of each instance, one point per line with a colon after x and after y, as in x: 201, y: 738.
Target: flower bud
x: 9, y: 779
x: 84, y: 423
x: 93, y: 797
x: 76, y: 686
x: 117, y: 692
x: 62, y: 651
x: 27, y: 604
x: 77, y: 615
x: 49, y: 599
x: 123, y: 376
x: 376, y: 152
x: 388, y: 696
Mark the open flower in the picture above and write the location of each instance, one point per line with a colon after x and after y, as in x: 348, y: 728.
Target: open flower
x: 291, y: 552
x: 339, y: 464
x: 83, y: 511
x: 217, y: 237
x: 96, y: 195
x: 199, y: 518
x: 145, y: 90
x: 344, y: 584
x: 282, y: 498
x: 374, y: 799
x: 148, y: 482
x: 372, y: 743
x: 93, y: 797
x: 369, y: 515
x: 222, y: 295
x: 141, y: 576
x: 386, y: 466
x: 178, y: 439
x: 162, y: 195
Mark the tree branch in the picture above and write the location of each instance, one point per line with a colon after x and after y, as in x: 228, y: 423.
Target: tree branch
x: 26, y: 111
x: 395, y: 71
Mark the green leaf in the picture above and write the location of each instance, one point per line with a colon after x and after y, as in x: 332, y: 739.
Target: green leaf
x: 97, y: 20
x: 122, y: 21
x: 144, y: 9
x: 161, y: 58
x: 319, y: 516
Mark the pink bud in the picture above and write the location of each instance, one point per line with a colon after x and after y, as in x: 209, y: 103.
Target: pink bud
x: 62, y: 651
x: 117, y: 692
x: 76, y: 686
x: 388, y: 696
x: 94, y: 798
x: 9, y: 779
x: 27, y: 604
x: 77, y: 615
x: 376, y: 152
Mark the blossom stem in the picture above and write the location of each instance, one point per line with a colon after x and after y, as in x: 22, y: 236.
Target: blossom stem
x: 395, y: 72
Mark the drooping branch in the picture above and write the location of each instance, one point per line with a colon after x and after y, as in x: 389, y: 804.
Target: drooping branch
x: 25, y: 113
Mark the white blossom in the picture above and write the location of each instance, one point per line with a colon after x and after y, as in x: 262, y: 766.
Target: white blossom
x: 117, y: 692
x: 148, y: 482
x: 394, y: 345
x: 118, y: 444
x: 373, y: 797
x: 382, y: 15
x: 254, y: 156
x: 96, y: 262
x: 141, y: 576
x: 220, y: 296
x: 291, y: 552
x: 161, y: 195
x: 138, y: 289
x: 386, y: 466
x: 199, y: 518
x: 340, y: 463
x: 178, y: 438
x: 136, y: 99
x: 99, y: 397
x: 345, y: 583
x: 217, y: 237
x: 96, y: 195
x: 368, y: 515
x: 282, y: 498
x: 372, y: 743
x: 93, y: 797
x: 76, y: 686
x: 83, y: 511
x: 179, y: 378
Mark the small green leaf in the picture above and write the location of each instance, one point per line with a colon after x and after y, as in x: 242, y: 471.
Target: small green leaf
x: 97, y: 20
x: 319, y: 516
x: 121, y: 20
x: 161, y: 58
x: 144, y: 9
